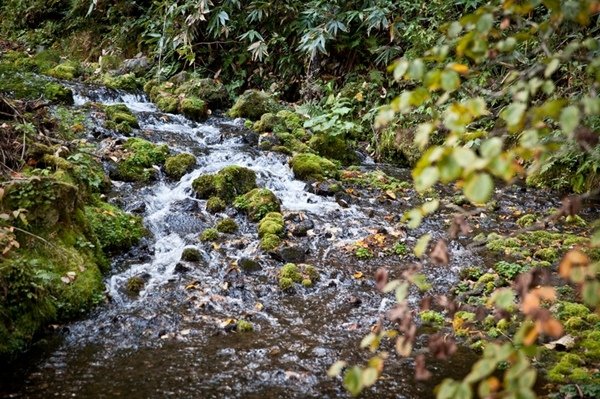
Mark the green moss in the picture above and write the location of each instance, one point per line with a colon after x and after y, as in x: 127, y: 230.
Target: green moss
x: 460, y: 322
x: 135, y: 285
x: 272, y: 223
x: 574, y: 324
x: 562, y: 370
x: 215, y: 205
x: 311, y: 166
x: 307, y: 283
x: 266, y: 123
x: 227, y: 184
x: 527, y: 220
x: 432, y: 318
x: 258, y: 203
x: 546, y: 254
x: 120, y: 118
x: 311, y: 272
x: 244, y: 326
x: 191, y: 254
x: 566, y: 310
x: 333, y: 147
x: 178, y: 165
x: 590, y: 346
x: 115, y: 229
x: 290, y: 270
x: 126, y: 82
x: 210, y: 235
x: 471, y: 273
x: 253, y: 104
x: 66, y: 71
x: 269, y: 242
x: 142, y: 155
x: 510, y: 270
x: 363, y: 253
x: 211, y: 91
x: 193, y: 108
x: 167, y: 103
x: 285, y: 283
x: 227, y: 225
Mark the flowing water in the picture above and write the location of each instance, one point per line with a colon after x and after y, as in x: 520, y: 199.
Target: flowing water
x: 175, y: 339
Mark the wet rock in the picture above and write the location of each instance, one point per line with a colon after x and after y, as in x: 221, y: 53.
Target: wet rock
x: 191, y: 254
x: 186, y: 205
x: 301, y: 228
x: 249, y: 265
x: 180, y: 268
x: 354, y: 301
x: 138, y: 207
x: 343, y: 199
x: 253, y: 104
x: 291, y: 254
x: 136, y: 65
x: 326, y: 188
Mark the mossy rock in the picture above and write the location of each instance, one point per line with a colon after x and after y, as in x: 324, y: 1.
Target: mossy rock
x: 567, y: 310
x: 253, y: 104
x: 311, y: 166
x: 226, y: 184
x: 432, y: 318
x: 177, y: 166
x: 120, y: 118
x: 167, y: 103
x: 284, y: 121
x: 137, y: 165
x: 193, y: 108
x: 191, y: 254
x: 209, y: 235
x: 269, y: 242
x: 227, y: 225
x: 48, y: 201
x: 127, y: 82
x: 244, y: 326
x: 333, y: 147
x: 65, y: 71
x: 134, y: 285
x: 272, y: 223
x: 215, y: 205
x: 258, y: 203
x: 291, y: 274
x: 211, y: 91
x: 115, y: 229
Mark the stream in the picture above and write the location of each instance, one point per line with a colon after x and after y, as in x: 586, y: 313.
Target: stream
x: 175, y: 339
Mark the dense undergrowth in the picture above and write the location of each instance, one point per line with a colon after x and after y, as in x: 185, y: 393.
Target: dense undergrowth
x: 506, y: 91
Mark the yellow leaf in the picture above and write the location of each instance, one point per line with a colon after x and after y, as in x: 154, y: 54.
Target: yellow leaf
x: 357, y: 275
x: 460, y: 68
x: 359, y: 96
x: 259, y: 306
x: 391, y: 194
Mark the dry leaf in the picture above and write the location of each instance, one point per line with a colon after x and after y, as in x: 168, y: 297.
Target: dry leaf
x: 439, y: 254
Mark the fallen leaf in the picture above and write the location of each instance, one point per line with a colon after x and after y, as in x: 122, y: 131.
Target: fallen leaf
x: 573, y: 258
x: 390, y: 194
x: 357, y: 275
x: 439, y: 254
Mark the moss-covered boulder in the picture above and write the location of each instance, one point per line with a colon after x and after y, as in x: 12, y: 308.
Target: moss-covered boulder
x: 227, y: 226
x: 211, y: 91
x: 209, y: 235
x: 272, y: 223
x: 116, y: 230
x: 270, y: 242
x: 215, y: 205
x: 226, y: 184
x: 333, y: 147
x: 137, y: 164
x: 67, y: 70
x: 253, y: 104
x: 291, y: 274
x: 311, y: 166
x: 178, y: 165
x: 120, y: 118
x: 280, y: 122
x: 258, y: 203
x: 193, y: 108
x: 191, y: 254
x: 127, y: 82
x: 167, y: 103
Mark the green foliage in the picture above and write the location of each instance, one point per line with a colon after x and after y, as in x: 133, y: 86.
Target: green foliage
x: 311, y: 166
x: 210, y: 235
x: 115, y: 229
x: 141, y: 156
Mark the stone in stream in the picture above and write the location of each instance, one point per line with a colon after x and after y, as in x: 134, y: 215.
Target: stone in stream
x: 326, y: 188
x: 290, y: 254
x: 249, y: 265
x: 301, y: 228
